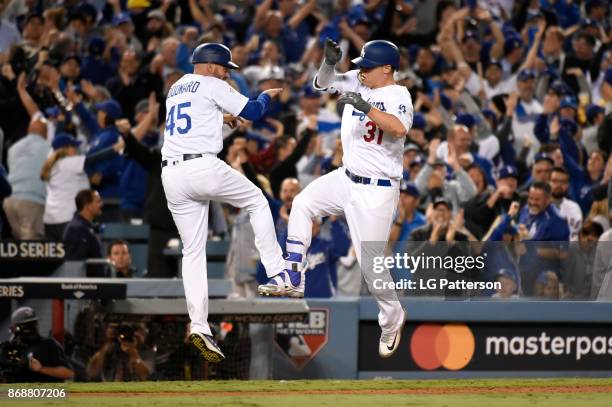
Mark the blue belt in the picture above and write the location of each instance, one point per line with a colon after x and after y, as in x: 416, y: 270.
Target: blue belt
x: 186, y: 157
x: 367, y: 181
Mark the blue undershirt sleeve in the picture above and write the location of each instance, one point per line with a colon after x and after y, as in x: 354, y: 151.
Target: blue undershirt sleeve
x: 255, y: 109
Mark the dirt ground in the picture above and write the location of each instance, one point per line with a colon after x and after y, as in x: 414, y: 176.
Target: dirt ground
x: 471, y: 390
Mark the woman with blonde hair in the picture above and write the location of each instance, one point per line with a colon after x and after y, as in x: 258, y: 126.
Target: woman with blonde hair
x: 64, y: 175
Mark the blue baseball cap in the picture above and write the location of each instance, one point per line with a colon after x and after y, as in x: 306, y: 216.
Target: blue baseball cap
x: 526, y: 74
x: 568, y: 125
x: 121, y: 18
x: 465, y: 119
x: 418, y: 121
x: 507, y: 172
x: 506, y: 272
x: 512, y: 43
x: 330, y: 31
x: 96, y: 45
x: 568, y: 101
x: 310, y: 92
x: 62, y: 140
x: 560, y: 88
x: 543, y: 157
x: 490, y: 114
x: 111, y: 107
x: 409, y: 188
x: 592, y: 111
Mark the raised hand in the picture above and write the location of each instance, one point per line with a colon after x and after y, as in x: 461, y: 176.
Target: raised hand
x: 433, y: 150
x: 333, y: 53
x: 514, y: 209
x: 554, y: 125
x: 453, y: 160
x: 119, y: 146
x: 511, y: 103
x: 7, y: 72
x: 123, y: 126
x: 73, y: 96
x: 273, y: 92
x: 153, y: 106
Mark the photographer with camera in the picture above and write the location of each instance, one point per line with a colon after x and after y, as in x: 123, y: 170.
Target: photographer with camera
x: 123, y: 356
x: 30, y: 358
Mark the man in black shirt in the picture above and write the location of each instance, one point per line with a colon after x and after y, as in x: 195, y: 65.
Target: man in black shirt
x: 481, y: 211
x: 440, y: 238
x: 39, y: 360
x: 81, y: 241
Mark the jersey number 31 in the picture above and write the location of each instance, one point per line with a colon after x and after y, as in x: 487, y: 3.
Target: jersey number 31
x: 372, y: 133
x: 172, y: 120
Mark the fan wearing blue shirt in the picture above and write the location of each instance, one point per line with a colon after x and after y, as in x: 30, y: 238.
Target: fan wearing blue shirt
x: 540, y: 221
x: 105, y: 176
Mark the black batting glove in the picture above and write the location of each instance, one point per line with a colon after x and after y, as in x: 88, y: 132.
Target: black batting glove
x: 355, y: 99
x: 333, y: 53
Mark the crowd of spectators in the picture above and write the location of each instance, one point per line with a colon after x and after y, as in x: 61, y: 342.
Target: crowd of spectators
x: 510, y: 140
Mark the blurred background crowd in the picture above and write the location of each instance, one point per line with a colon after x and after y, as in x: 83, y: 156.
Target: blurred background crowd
x: 510, y: 140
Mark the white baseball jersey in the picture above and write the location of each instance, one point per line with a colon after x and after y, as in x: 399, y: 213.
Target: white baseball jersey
x: 194, y: 114
x: 572, y: 213
x: 367, y: 150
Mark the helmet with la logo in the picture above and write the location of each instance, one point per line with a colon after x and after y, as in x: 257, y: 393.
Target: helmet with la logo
x: 378, y: 52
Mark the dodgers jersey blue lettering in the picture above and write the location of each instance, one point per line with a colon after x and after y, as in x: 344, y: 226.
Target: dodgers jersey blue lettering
x: 194, y: 115
x: 368, y: 151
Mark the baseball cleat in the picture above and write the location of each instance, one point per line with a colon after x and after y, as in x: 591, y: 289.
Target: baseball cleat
x: 207, y: 347
x: 285, y: 284
x: 389, y: 342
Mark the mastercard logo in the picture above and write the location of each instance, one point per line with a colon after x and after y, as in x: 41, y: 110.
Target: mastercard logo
x: 435, y: 345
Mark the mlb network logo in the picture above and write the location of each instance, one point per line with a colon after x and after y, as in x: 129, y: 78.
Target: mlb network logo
x: 300, y: 342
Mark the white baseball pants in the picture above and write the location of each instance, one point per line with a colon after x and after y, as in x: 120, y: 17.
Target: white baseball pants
x: 189, y: 187
x: 369, y: 212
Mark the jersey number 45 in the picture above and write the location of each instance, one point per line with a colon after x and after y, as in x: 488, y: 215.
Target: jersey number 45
x: 172, y: 120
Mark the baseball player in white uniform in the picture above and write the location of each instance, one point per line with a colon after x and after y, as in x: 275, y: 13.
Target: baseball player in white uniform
x: 192, y: 175
x: 376, y: 118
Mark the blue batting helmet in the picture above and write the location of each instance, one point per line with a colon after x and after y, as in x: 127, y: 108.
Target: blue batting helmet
x: 214, y: 53
x: 376, y: 53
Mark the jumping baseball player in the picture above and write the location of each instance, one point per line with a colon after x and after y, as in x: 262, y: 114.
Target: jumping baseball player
x: 376, y: 118
x: 192, y: 175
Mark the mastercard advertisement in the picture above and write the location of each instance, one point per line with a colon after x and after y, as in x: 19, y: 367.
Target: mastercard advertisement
x: 454, y: 346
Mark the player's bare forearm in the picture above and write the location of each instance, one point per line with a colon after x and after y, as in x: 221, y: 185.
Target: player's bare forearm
x: 388, y: 123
